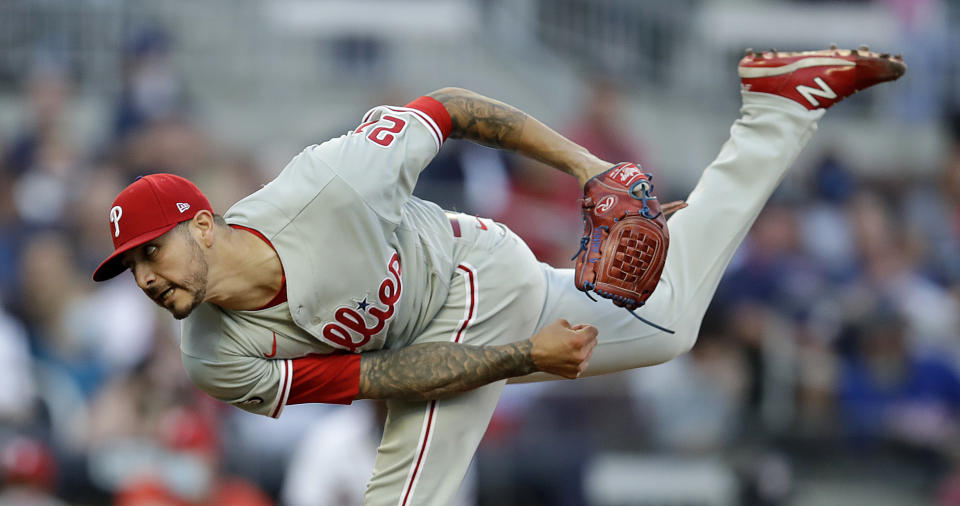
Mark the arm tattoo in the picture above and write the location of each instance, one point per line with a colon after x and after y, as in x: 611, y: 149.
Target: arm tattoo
x: 481, y: 119
x: 436, y: 370
x: 486, y: 121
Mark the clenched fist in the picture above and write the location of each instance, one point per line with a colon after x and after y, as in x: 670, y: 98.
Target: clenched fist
x: 562, y: 349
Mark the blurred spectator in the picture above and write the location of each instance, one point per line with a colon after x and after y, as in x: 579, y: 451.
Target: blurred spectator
x: 50, y: 285
x: 933, y: 207
x: 924, y: 35
x: 174, y: 146
x: 948, y: 490
x: 118, y: 331
x: 521, y: 464
x: 42, y: 157
x: 466, y: 177
x: 229, y: 176
x: 97, y: 190
x: 890, y: 257
x: 42, y: 192
x: 152, y: 128
x: 132, y: 404
x: 540, y: 207
x: 817, y: 370
x: 47, y: 93
x: 889, y: 391
x: 826, y: 229
x: 771, y: 267
x: 344, y: 445
x: 29, y: 470
x: 38, y: 167
x: 185, y: 469
x: 152, y: 90
x: 12, y: 231
x: 16, y: 373
x: 694, y: 402
x: 598, y: 126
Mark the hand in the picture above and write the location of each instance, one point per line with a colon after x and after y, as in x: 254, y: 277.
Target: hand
x: 562, y: 349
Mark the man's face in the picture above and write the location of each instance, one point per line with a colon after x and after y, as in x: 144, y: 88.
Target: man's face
x: 171, y: 270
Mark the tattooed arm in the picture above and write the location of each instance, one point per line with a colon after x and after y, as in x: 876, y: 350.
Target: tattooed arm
x: 437, y: 370
x: 498, y: 125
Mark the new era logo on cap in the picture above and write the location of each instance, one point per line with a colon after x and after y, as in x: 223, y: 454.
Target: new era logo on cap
x: 146, y: 210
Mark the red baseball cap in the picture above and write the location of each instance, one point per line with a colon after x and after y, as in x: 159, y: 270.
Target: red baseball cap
x: 150, y: 207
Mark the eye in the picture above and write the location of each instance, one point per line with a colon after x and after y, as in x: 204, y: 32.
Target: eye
x: 150, y: 250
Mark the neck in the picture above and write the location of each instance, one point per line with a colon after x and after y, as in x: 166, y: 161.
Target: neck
x: 245, y: 272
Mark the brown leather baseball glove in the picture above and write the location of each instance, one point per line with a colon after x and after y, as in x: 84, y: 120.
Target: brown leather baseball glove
x: 625, y: 238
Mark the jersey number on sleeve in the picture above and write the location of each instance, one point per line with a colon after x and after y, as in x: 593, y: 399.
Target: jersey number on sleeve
x: 385, y: 135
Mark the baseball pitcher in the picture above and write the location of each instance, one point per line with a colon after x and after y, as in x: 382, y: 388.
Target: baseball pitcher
x: 333, y: 283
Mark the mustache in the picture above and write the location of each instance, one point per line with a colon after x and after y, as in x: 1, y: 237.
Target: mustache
x: 154, y: 293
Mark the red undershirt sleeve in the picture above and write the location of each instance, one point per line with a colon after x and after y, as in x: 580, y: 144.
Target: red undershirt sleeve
x: 433, y: 108
x: 331, y: 379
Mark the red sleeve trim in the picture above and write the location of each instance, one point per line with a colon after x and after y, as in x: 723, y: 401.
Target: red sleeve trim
x: 286, y: 370
x: 436, y: 111
x: 331, y: 379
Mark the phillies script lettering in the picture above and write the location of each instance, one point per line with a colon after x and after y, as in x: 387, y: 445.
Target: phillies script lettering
x: 350, y: 329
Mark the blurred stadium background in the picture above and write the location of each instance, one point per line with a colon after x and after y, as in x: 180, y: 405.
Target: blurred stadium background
x: 828, y: 368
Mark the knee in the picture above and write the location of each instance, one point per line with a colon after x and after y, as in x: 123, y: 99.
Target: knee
x: 684, y: 337
x: 682, y: 340
x: 697, y: 317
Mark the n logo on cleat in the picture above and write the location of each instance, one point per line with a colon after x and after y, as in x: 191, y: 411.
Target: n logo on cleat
x: 809, y: 93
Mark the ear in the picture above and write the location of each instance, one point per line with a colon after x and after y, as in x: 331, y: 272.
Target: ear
x: 204, y: 226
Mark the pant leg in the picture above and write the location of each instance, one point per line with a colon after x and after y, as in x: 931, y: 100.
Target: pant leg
x: 763, y: 144
x: 495, y: 297
x: 427, y: 448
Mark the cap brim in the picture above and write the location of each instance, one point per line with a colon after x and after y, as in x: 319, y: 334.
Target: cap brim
x: 111, y: 267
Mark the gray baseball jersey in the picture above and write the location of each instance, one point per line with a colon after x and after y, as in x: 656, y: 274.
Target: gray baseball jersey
x: 366, y: 264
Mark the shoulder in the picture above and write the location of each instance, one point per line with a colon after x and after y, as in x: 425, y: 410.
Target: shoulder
x: 199, y: 330
x: 298, y: 184
x: 212, y: 352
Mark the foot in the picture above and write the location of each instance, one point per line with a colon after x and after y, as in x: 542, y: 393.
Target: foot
x: 817, y: 79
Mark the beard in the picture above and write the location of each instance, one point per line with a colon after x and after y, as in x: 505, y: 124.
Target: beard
x: 195, y: 285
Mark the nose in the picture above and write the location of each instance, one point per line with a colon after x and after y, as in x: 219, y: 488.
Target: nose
x: 144, y: 276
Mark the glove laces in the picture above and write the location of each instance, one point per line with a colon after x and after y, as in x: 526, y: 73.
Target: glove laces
x: 590, y: 286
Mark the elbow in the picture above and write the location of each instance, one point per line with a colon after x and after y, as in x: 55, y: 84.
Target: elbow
x: 684, y: 345
x: 449, y: 92
x: 415, y: 396
x: 433, y: 394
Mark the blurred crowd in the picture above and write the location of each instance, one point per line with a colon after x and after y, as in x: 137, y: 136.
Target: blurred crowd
x: 830, y: 350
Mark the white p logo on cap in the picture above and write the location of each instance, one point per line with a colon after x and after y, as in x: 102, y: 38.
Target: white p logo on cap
x: 115, y: 213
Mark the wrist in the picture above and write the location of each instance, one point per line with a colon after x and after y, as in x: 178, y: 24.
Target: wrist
x: 592, y: 168
x: 525, y: 362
